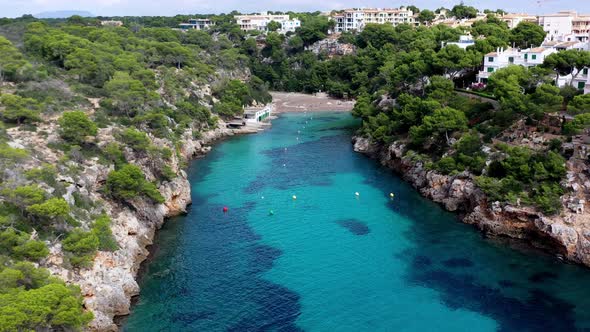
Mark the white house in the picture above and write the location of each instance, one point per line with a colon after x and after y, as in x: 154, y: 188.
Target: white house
x: 464, y: 42
x: 580, y: 82
x: 354, y: 19
x: 197, y: 24
x: 260, y: 22
x: 503, y: 58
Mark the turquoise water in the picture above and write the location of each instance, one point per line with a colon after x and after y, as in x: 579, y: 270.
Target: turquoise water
x: 332, y: 261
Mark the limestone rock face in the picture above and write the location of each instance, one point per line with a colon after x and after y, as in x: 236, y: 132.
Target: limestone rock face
x: 566, y: 235
x: 109, y: 283
x: 363, y: 145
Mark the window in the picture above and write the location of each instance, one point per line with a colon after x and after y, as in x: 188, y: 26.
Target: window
x: 511, y: 59
x: 534, y: 56
x: 490, y: 69
x: 526, y: 56
x: 581, y: 85
x: 491, y: 59
x: 585, y: 71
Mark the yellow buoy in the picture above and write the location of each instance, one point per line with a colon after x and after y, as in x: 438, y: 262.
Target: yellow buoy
x: 391, y: 195
x: 294, y: 197
x: 357, y: 194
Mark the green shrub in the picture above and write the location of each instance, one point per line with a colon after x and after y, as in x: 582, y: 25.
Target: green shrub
x: 113, y: 153
x: 19, y: 110
x: 20, y: 246
x: 82, y: 246
x: 52, y: 307
x: 75, y: 126
x: 46, y: 173
x: 446, y: 165
x: 531, y: 176
x: 129, y: 182
x: 135, y: 139
x: 50, y: 209
x: 102, y: 229
x: 167, y: 173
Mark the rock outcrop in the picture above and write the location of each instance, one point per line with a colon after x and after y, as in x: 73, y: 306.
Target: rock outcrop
x: 566, y: 235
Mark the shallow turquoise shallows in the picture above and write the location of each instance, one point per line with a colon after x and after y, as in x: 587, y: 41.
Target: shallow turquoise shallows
x: 332, y: 260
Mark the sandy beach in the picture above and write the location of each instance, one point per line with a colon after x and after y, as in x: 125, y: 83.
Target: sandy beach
x: 300, y: 102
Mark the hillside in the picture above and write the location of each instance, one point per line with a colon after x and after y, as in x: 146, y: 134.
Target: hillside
x: 97, y: 127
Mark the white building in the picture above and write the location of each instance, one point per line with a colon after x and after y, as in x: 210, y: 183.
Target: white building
x: 580, y: 82
x: 464, y: 42
x: 503, y: 58
x: 197, y: 24
x: 569, y: 45
x: 354, y: 19
x: 258, y: 114
x: 111, y: 23
x: 512, y: 20
x: 260, y: 22
x: 565, y: 26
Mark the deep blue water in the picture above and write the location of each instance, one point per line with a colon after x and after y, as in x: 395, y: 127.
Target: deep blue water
x: 332, y: 261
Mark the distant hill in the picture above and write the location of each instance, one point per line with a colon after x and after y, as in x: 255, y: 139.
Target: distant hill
x: 63, y: 14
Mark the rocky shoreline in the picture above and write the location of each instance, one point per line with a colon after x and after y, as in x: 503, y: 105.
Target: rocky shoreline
x: 567, y: 235
x: 110, y: 283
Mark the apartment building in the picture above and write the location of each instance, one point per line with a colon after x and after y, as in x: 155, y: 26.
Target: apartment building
x: 354, y: 19
x: 565, y: 26
x: 197, y: 24
x: 260, y: 22
x: 503, y: 58
x: 581, y: 27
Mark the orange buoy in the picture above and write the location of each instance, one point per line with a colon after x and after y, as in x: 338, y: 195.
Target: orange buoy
x: 225, y: 209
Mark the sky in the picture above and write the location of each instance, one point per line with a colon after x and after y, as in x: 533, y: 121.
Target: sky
x: 15, y: 8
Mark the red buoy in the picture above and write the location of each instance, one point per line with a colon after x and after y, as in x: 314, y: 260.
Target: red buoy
x: 225, y: 209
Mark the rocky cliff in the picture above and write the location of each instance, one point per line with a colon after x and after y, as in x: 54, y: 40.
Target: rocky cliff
x: 566, y: 235
x: 109, y: 283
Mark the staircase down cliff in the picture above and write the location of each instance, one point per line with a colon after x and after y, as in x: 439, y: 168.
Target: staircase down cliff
x: 566, y: 235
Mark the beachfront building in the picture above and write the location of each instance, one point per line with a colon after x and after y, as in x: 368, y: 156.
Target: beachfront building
x: 512, y: 20
x: 260, y: 22
x: 197, y: 24
x: 503, y: 58
x: 565, y: 26
x: 354, y: 19
x: 257, y: 114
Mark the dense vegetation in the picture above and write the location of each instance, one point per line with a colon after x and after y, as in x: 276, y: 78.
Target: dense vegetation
x: 75, y: 83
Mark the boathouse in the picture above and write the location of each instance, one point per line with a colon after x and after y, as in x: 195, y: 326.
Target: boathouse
x: 257, y: 114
